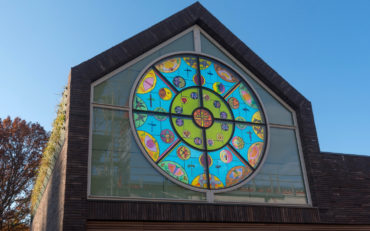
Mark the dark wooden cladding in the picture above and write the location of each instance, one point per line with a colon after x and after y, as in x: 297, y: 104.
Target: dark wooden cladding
x: 342, y: 188
x: 115, y: 226
x: 155, y: 211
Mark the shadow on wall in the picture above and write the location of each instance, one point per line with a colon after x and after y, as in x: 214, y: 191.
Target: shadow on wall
x: 49, y: 214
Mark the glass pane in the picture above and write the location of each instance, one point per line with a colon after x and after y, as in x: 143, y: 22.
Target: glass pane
x: 280, y: 179
x: 244, y: 105
x: 201, y: 118
x: 218, y: 78
x: 155, y: 134
x: 249, y: 142
x: 228, y: 167
x: 219, y: 134
x: 180, y: 72
x: 153, y: 93
x: 116, y: 90
x: 189, y: 132
x: 182, y: 163
x: 275, y: 111
x: 216, y: 105
x: 119, y: 169
x: 185, y: 102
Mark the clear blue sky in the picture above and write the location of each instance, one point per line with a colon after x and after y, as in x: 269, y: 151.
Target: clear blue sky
x: 322, y: 48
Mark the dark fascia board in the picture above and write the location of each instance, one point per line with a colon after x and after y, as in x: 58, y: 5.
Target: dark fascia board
x: 195, y: 14
x: 366, y: 157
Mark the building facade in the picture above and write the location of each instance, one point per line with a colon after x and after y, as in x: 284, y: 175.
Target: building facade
x: 183, y: 127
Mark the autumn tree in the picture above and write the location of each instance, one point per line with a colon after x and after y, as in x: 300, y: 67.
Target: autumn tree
x: 21, y: 146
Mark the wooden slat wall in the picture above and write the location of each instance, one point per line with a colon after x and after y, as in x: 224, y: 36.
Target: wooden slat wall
x: 112, y: 226
x: 192, y: 212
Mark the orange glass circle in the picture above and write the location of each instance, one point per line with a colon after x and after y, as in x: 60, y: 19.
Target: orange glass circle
x: 203, y: 118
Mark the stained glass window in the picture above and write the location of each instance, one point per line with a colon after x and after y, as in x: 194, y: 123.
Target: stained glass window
x: 199, y: 123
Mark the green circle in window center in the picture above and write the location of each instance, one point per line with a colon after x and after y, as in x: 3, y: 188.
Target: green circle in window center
x: 204, y: 123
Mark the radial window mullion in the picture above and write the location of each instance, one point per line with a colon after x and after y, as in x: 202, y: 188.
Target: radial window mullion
x: 203, y: 130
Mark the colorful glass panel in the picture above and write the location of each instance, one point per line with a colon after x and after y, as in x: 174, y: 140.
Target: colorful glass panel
x: 198, y: 122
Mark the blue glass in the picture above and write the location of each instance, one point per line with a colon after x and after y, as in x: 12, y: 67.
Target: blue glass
x: 213, y: 80
x: 185, y: 73
x: 275, y: 111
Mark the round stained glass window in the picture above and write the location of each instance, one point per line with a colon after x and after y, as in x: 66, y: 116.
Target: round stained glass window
x: 198, y: 122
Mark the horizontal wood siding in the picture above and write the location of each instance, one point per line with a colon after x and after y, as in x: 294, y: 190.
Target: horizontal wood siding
x: 112, y: 226
x: 154, y: 211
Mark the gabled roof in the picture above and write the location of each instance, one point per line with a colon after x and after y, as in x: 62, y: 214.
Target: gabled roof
x: 78, y: 119
x: 91, y: 70
x: 195, y: 14
x: 85, y: 73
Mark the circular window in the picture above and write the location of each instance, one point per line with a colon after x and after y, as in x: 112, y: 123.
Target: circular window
x: 198, y: 122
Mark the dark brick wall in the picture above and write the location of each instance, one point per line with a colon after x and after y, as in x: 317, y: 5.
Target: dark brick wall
x: 342, y: 185
x: 49, y: 214
x: 77, y: 154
